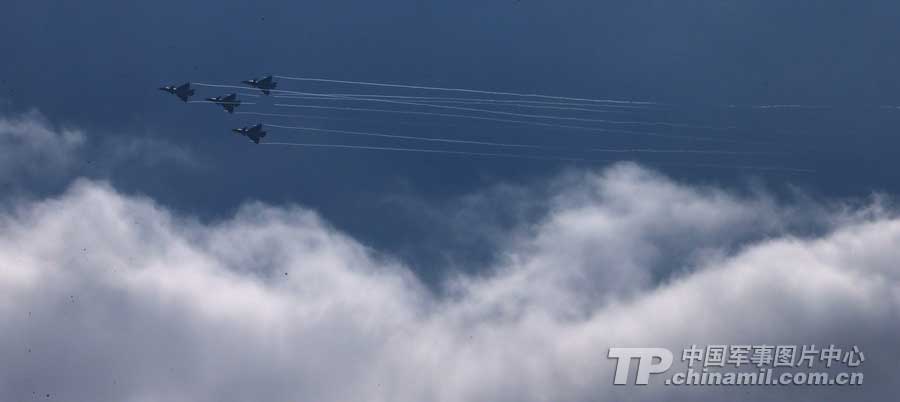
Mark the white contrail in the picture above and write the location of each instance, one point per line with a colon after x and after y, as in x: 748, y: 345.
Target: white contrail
x: 436, y: 151
x: 525, y: 122
x: 535, y: 123
x: 531, y: 106
x: 407, y: 137
x: 614, y: 122
x: 594, y: 106
x: 500, y: 144
x: 680, y: 151
x: 531, y: 116
x: 616, y: 103
x: 377, y: 98
x: 303, y: 116
x: 291, y: 93
x: 790, y: 107
x: 809, y: 107
x: 378, y: 84
x: 223, y: 86
x: 523, y: 156
x: 569, y: 108
x: 223, y: 103
x: 558, y: 103
x: 538, y: 116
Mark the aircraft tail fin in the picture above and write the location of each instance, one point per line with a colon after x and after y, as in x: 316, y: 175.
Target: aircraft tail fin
x: 258, y: 136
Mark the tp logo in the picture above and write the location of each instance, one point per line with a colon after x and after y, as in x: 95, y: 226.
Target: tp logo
x: 646, y: 363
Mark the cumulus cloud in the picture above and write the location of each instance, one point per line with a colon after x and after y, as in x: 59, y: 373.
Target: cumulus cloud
x: 108, y: 297
x: 30, y: 146
x: 34, y: 151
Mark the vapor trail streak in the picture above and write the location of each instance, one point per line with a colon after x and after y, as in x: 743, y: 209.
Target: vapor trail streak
x: 635, y: 104
x: 531, y: 116
x: 522, y: 156
x: 680, y: 151
x: 486, y: 101
x: 303, y: 116
x: 549, y: 117
x: 533, y: 123
x: 345, y: 98
x: 524, y: 122
x: 378, y: 84
x: 223, y: 86
x: 378, y: 98
x: 531, y: 146
x: 223, y: 103
x: 436, y: 151
x: 297, y: 93
x: 808, y: 107
x: 406, y: 137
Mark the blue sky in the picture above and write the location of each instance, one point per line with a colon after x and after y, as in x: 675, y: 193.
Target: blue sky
x: 96, y: 66
x: 87, y: 134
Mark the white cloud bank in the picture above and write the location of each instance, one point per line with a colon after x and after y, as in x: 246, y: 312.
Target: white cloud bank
x: 29, y: 143
x: 107, y: 297
x: 34, y: 150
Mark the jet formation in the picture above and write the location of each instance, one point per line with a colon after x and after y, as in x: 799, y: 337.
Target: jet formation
x: 229, y: 102
x: 508, y: 100
x: 254, y: 133
x: 183, y: 91
x: 265, y: 84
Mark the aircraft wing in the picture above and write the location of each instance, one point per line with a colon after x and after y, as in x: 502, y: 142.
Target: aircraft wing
x: 182, y: 96
x: 229, y: 107
x: 256, y: 136
x: 184, y: 87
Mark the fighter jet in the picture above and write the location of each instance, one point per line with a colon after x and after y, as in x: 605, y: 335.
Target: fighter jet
x: 183, y: 91
x: 265, y: 84
x: 254, y: 133
x: 229, y: 102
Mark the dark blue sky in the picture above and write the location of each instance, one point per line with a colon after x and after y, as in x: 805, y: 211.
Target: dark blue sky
x: 96, y: 65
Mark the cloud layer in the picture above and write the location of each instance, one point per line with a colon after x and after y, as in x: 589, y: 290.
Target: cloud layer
x: 38, y: 156
x: 110, y: 297
x: 29, y: 145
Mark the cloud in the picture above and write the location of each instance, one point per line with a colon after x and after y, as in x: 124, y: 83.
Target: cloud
x: 30, y: 146
x: 108, y: 297
x: 34, y: 152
